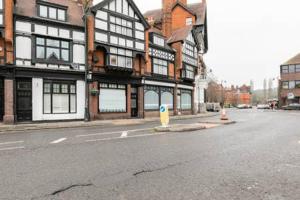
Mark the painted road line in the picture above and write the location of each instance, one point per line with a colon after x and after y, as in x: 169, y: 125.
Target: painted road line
x: 12, y: 148
x: 299, y: 141
x: 111, y: 133
x: 12, y: 142
x: 119, y: 138
x: 124, y: 134
x: 58, y: 141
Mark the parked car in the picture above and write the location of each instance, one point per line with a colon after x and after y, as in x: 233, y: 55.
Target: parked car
x: 293, y: 106
x: 213, y: 107
x: 244, y: 106
x: 263, y: 106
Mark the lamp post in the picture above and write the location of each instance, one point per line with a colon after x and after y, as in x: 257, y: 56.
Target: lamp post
x: 223, y: 92
x: 88, y: 73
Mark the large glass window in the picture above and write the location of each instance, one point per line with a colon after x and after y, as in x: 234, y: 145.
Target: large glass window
x: 292, y: 84
x: 52, y: 49
x: 156, y: 96
x: 121, y: 26
x: 59, y: 97
x: 151, y: 100
x: 167, y: 99
x: 160, y: 66
x: 121, y: 58
x: 112, y: 98
x: 186, y: 99
x: 1, y: 12
x: 52, y: 12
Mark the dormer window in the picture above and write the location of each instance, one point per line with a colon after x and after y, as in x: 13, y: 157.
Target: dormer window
x: 158, y: 41
x: 52, y: 12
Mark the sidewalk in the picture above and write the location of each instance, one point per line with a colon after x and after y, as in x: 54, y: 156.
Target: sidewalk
x: 74, y: 124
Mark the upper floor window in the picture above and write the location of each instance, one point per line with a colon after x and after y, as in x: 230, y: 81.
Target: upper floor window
x: 188, y: 72
x: 1, y: 12
x: 160, y: 67
x: 140, y: 31
x: 158, y: 41
x: 190, y: 50
x: 285, y: 69
x: 50, y: 12
x: 189, y: 21
x: 121, y: 58
x: 52, y: 49
x: 121, y: 26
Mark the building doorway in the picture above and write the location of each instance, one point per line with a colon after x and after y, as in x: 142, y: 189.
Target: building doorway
x: 1, y: 98
x: 24, y: 100
x: 134, y: 102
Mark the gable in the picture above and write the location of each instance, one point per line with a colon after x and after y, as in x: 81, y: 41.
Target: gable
x: 123, y: 7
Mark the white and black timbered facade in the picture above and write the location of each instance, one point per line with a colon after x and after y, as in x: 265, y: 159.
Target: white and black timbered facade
x: 118, y: 59
x: 50, y: 62
x: 189, y: 58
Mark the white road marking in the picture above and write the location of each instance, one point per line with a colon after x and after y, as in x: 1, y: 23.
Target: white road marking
x: 12, y: 148
x: 58, y: 141
x: 12, y: 142
x: 124, y: 134
x: 299, y: 141
x: 119, y: 138
x: 111, y: 133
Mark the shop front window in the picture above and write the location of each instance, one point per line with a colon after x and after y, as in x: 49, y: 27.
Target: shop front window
x: 59, y: 97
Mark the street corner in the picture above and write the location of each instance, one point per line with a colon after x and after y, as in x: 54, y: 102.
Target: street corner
x: 180, y: 128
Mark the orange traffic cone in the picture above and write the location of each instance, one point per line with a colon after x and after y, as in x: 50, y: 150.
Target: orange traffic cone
x: 223, y: 115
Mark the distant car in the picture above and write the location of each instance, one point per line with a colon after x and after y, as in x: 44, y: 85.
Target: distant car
x: 244, y: 106
x: 213, y: 107
x: 293, y: 106
x: 263, y: 106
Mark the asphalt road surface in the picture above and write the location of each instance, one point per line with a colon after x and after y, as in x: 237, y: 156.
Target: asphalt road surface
x: 256, y: 158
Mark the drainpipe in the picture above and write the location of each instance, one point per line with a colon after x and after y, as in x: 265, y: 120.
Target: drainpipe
x: 87, y: 96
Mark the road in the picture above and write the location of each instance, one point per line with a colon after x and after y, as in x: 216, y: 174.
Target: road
x: 256, y: 158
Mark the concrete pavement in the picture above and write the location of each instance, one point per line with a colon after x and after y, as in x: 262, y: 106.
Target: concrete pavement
x: 74, y: 124
x: 256, y: 158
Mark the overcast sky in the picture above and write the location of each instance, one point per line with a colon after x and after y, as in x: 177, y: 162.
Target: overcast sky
x: 248, y: 39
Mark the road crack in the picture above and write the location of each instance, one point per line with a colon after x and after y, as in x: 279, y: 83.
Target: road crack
x: 155, y: 170
x: 70, y: 187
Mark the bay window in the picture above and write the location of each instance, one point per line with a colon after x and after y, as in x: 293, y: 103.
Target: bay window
x: 52, y: 49
x: 59, y: 97
x: 160, y: 66
x: 112, y: 98
x: 121, y: 58
x: 188, y: 72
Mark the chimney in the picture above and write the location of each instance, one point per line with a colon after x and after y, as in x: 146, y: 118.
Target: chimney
x: 167, y: 17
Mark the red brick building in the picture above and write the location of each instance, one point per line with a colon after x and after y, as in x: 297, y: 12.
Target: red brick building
x: 289, y: 87
x: 134, y: 63
x: 237, y: 95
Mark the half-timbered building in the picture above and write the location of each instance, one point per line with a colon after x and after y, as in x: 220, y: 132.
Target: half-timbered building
x: 117, y: 56
x: 49, y: 60
x: 184, y: 28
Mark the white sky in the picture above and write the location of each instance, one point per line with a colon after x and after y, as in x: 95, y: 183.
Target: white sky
x: 248, y: 39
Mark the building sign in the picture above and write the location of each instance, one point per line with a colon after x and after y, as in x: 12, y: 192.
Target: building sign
x: 290, y: 96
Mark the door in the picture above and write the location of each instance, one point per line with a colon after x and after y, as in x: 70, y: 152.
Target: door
x: 24, y: 100
x: 1, y: 99
x: 134, y: 102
